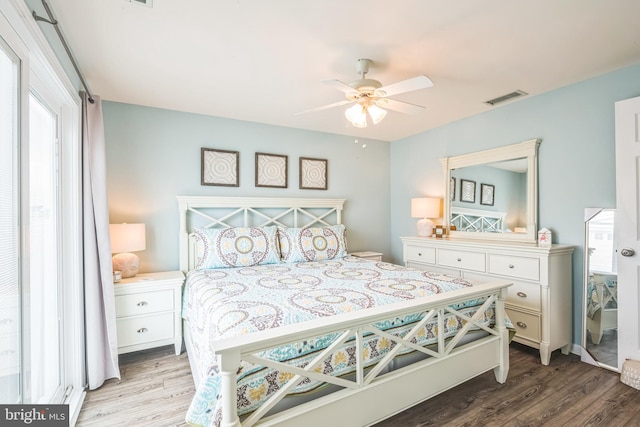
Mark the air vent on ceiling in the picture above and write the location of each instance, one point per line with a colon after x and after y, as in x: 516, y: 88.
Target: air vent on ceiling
x: 148, y: 3
x: 506, y: 97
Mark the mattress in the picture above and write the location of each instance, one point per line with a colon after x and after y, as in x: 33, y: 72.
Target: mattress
x: 227, y: 302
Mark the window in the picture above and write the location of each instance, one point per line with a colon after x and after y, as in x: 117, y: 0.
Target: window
x: 41, y: 309
x: 10, y: 379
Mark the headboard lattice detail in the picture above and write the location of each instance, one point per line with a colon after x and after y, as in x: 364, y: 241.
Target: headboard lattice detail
x: 250, y: 212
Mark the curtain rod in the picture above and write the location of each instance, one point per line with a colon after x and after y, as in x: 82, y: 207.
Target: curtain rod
x: 53, y: 22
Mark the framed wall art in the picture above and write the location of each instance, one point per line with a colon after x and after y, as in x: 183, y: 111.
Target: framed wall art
x: 487, y: 192
x: 452, y: 189
x: 271, y: 170
x: 220, y: 167
x: 313, y: 173
x: 467, y: 191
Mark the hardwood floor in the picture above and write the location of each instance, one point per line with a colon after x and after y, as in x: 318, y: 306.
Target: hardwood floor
x: 156, y: 389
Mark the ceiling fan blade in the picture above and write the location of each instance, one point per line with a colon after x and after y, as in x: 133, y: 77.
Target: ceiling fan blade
x: 326, y: 107
x: 341, y: 86
x: 399, y: 106
x: 416, y: 83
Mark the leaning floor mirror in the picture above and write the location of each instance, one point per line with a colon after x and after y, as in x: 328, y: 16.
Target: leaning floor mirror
x: 600, y: 330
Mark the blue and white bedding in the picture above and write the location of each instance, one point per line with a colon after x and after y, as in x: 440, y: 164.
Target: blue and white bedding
x: 221, y: 303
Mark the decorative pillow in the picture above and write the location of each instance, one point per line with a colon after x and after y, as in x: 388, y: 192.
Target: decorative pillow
x: 237, y: 247
x: 313, y: 243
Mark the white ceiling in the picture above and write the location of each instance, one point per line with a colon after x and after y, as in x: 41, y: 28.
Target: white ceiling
x: 263, y: 60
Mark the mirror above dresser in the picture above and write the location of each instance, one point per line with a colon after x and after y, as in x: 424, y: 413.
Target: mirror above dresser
x: 493, y: 194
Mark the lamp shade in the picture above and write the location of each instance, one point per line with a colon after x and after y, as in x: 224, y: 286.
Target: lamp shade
x: 425, y: 207
x: 127, y: 237
x: 357, y: 115
x: 376, y: 113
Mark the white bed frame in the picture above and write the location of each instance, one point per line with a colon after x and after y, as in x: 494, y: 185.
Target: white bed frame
x: 369, y: 397
x: 477, y: 220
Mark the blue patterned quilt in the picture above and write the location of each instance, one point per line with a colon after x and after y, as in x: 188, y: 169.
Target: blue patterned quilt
x: 221, y: 303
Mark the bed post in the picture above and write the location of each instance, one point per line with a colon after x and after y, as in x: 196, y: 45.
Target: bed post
x: 229, y: 364
x: 184, y: 236
x: 502, y: 370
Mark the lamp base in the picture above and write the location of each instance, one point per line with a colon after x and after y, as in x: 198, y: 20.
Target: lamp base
x: 127, y: 263
x: 425, y: 227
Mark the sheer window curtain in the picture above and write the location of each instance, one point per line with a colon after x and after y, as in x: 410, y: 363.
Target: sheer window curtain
x: 100, y: 315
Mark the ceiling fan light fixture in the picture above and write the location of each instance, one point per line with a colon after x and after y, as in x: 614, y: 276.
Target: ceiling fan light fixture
x: 376, y: 113
x: 357, y: 115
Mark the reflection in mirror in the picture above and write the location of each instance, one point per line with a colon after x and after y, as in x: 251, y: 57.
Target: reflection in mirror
x: 501, y: 203
x: 601, y: 284
x: 493, y: 194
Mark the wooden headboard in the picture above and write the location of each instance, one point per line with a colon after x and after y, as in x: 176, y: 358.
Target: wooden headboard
x: 213, y: 212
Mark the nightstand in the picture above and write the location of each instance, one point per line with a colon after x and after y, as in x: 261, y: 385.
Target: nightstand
x: 374, y: 256
x: 148, y: 311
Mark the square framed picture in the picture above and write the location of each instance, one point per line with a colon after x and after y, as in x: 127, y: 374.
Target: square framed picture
x: 271, y: 170
x: 487, y: 192
x: 313, y: 173
x: 467, y: 191
x: 220, y: 167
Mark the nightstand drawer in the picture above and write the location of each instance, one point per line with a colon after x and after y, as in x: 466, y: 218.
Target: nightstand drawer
x: 461, y: 259
x: 521, y: 267
x: 527, y: 325
x: 420, y: 254
x: 144, y: 303
x: 525, y: 295
x: 143, y: 329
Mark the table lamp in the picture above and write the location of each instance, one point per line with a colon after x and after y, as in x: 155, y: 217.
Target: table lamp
x: 425, y: 208
x: 126, y: 238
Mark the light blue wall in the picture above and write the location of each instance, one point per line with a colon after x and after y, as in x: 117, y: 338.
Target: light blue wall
x: 576, y: 159
x: 153, y: 155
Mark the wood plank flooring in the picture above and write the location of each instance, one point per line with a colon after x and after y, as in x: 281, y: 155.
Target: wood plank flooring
x: 156, y: 389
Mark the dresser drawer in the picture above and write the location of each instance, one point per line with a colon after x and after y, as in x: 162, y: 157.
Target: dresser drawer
x: 420, y: 254
x: 514, y: 266
x: 524, y: 295
x: 527, y: 325
x: 144, y: 303
x: 461, y: 259
x: 144, y: 329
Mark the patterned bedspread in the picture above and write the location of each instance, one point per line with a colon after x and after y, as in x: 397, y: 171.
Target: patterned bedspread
x: 220, y: 303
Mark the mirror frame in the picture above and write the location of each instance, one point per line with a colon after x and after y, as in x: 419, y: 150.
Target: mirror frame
x: 527, y: 149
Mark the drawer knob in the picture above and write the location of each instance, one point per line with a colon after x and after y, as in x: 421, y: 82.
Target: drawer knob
x: 7, y: 352
x: 459, y: 259
x: 521, y: 294
x: 511, y: 266
x: 419, y: 253
x: 142, y: 303
x: 522, y: 325
x: 142, y: 330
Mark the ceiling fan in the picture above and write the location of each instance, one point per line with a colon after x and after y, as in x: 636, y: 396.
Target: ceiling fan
x: 369, y: 96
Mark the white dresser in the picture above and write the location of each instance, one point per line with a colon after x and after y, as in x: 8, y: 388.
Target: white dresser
x: 148, y: 311
x: 539, y: 303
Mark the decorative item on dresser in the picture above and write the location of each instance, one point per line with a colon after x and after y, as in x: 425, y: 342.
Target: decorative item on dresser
x: 148, y: 311
x: 539, y: 302
x: 127, y: 238
x: 375, y: 256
